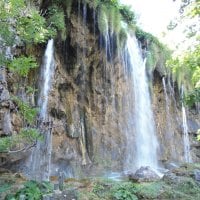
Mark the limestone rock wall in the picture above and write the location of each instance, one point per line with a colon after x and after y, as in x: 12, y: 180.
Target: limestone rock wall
x: 169, y: 122
x: 89, y: 106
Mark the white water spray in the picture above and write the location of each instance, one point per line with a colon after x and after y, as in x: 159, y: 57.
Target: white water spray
x: 41, y: 156
x: 46, y: 76
x: 186, y: 141
x: 145, y: 138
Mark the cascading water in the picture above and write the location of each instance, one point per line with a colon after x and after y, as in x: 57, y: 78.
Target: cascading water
x: 169, y: 129
x: 186, y: 141
x: 41, y: 156
x: 46, y: 76
x: 145, y: 138
x: 166, y: 97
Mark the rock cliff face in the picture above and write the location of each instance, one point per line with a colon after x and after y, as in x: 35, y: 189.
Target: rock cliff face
x: 169, y: 122
x: 89, y: 104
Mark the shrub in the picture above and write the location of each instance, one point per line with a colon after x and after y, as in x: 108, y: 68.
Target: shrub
x: 124, y: 191
x: 56, y: 18
x: 28, y: 113
x: 32, y: 28
x: 22, y: 65
x: 32, y: 190
x: 127, y: 15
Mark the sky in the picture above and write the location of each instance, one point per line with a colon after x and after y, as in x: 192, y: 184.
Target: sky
x: 154, y: 16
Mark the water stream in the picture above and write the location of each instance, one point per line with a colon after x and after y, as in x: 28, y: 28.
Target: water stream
x: 41, y: 156
x: 186, y: 141
x: 145, y: 137
x: 169, y: 132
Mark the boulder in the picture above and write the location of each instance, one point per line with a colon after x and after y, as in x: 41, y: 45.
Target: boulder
x: 197, y: 175
x: 144, y: 174
x: 171, y: 178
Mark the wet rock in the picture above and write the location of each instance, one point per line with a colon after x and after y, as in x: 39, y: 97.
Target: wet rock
x: 171, y: 178
x: 3, y: 170
x: 193, y: 126
x: 144, y: 174
x: 4, y: 95
x: 6, y: 124
x: 65, y: 195
x: 2, y: 75
x: 197, y: 175
x: 170, y: 165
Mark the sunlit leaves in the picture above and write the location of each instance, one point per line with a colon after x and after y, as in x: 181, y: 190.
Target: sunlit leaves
x: 56, y: 20
x: 18, y: 23
x: 5, y: 143
x: 32, y: 28
x: 127, y: 14
x: 22, y: 65
x: 186, y: 71
x: 192, y: 97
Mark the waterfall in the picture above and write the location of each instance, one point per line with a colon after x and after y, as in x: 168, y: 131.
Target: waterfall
x: 145, y: 137
x: 168, y: 130
x: 41, y: 156
x: 46, y: 76
x: 166, y: 98
x: 186, y: 141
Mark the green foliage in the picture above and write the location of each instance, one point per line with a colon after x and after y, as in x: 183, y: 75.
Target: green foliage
x: 186, y: 71
x: 32, y: 190
x: 5, y: 144
x: 30, y: 135
x: 56, y: 18
x: 150, y: 190
x: 22, y: 65
x: 192, y: 97
x: 127, y: 15
x: 32, y: 28
x: 30, y: 90
x: 156, y: 51
x: 99, y: 188
x: 26, y: 111
x: 124, y: 191
x: 16, y: 17
x: 186, y: 67
x: 144, y: 36
x: 26, y: 137
x: 5, y: 187
x: 9, y: 12
x: 67, y: 5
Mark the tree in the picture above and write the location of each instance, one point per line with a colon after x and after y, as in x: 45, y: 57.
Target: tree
x: 186, y: 66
